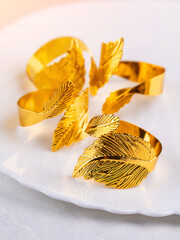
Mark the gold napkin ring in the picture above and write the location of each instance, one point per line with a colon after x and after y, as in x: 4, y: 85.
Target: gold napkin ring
x: 122, y: 157
x: 53, y: 80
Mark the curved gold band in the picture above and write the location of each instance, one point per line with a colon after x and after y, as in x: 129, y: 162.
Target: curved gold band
x: 47, y: 53
x: 30, y: 107
x: 149, y: 76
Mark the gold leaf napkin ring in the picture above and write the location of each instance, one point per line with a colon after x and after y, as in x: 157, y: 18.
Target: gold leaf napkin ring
x: 52, y: 79
x: 120, y: 158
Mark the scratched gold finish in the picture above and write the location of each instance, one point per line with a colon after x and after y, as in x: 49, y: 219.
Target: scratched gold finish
x: 150, y: 78
x: 119, y: 159
x: 43, y: 104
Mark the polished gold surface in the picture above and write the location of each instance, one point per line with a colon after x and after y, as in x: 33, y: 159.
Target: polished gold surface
x: 150, y: 78
x: 71, y: 128
x: 120, y: 159
x: 42, y: 104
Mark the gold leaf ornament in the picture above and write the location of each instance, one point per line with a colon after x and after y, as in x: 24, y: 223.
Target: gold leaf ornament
x: 117, y: 100
x: 111, y: 54
x: 102, y: 124
x: 71, y: 128
x: 119, y: 159
x: 60, y: 100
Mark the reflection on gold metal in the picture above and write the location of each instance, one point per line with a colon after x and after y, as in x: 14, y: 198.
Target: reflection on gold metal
x: 111, y: 54
x: 150, y: 78
x: 120, y: 159
x: 69, y: 68
x: 42, y: 104
x: 102, y: 124
x: 71, y: 128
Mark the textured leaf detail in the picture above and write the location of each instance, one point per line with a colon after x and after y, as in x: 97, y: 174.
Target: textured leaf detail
x: 71, y: 128
x: 117, y: 159
x: 60, y: 100
x: 103, y: 124
x: 111, y: 54
x: 70, y: 68
x: 117, y: 100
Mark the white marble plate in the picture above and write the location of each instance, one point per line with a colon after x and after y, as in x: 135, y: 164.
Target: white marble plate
x: 152, y: 35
